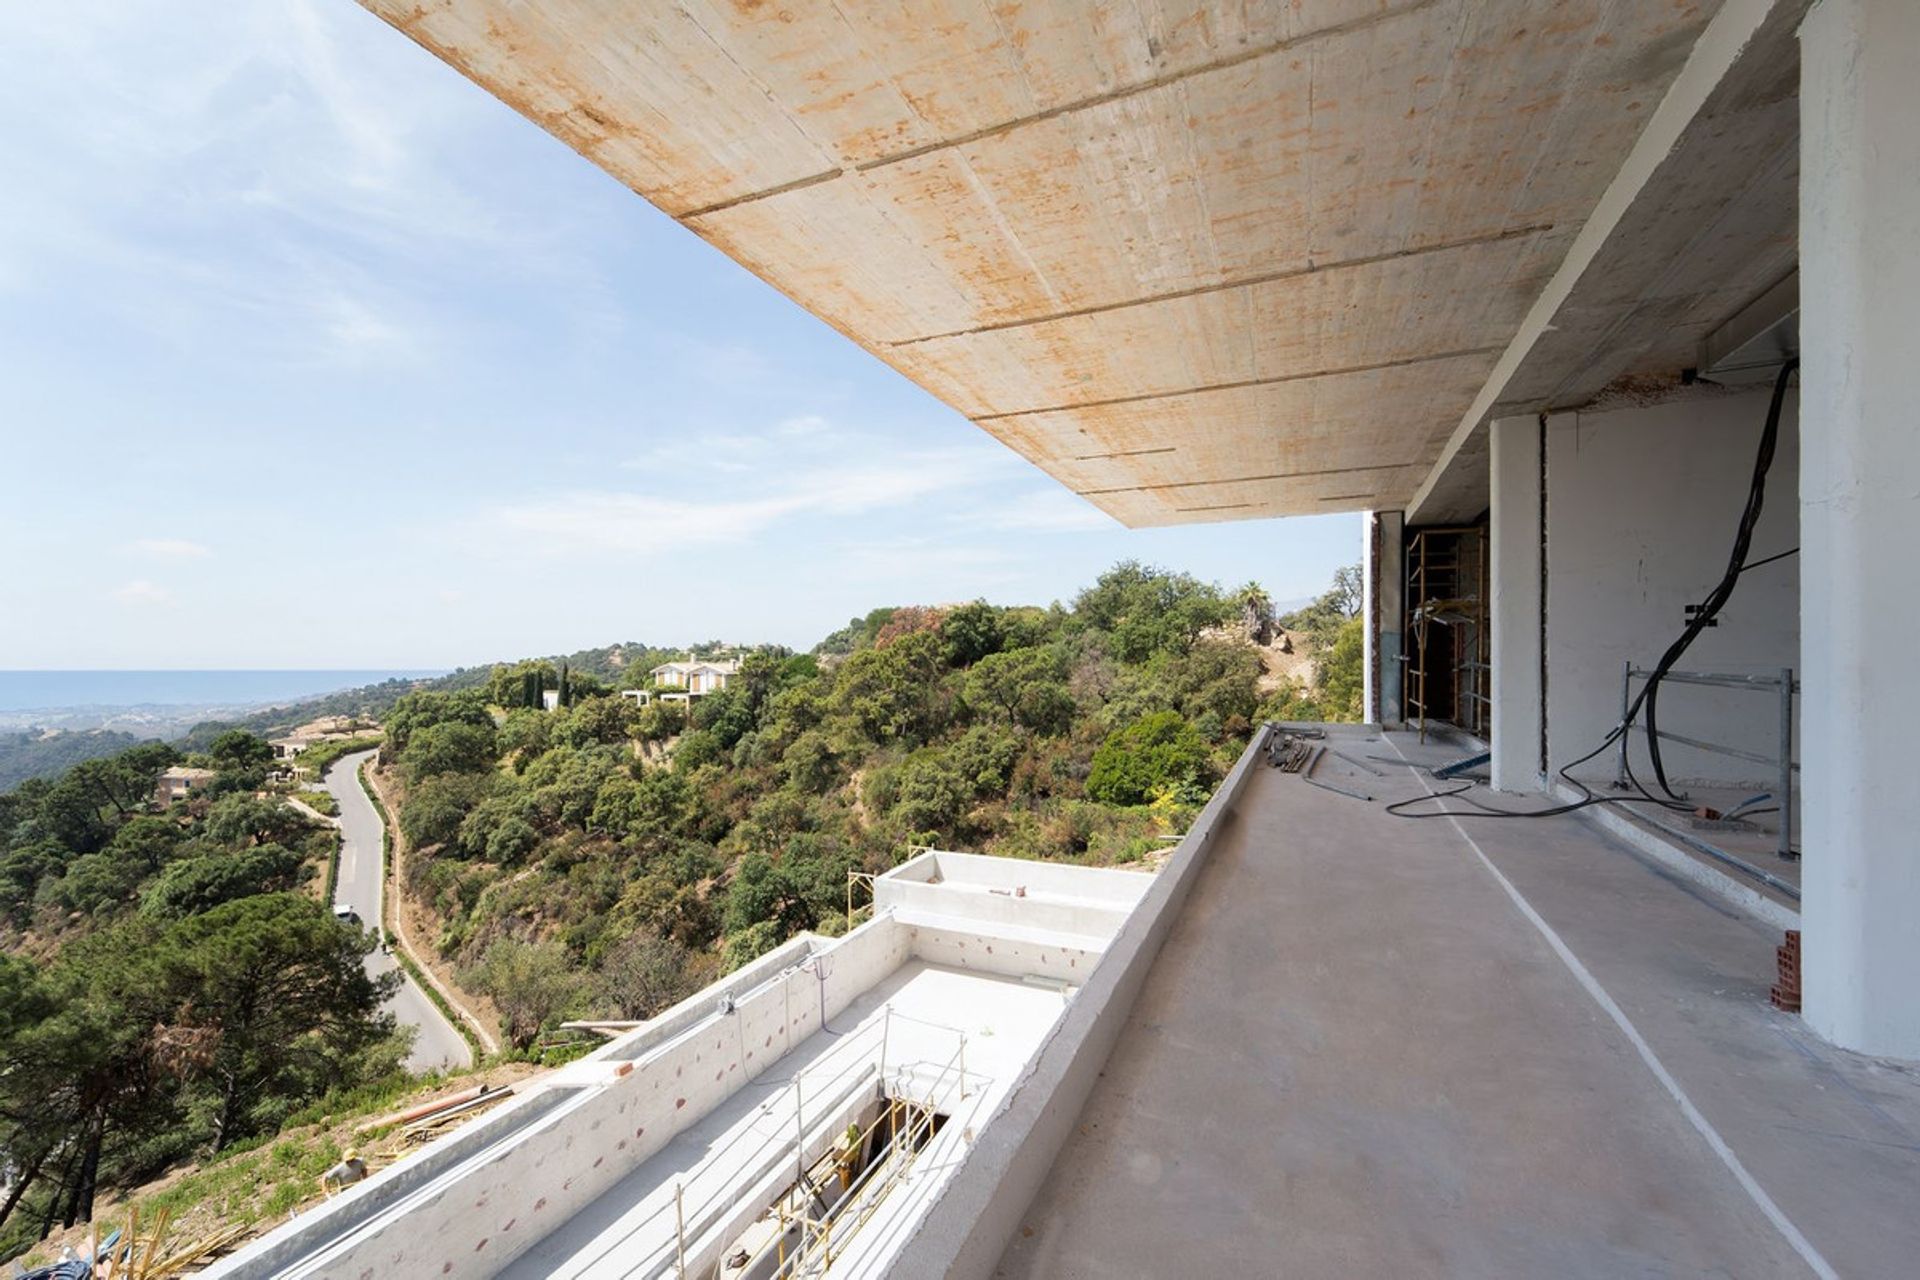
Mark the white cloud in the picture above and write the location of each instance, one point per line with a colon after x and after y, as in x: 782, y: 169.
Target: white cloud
x: 283, y: 183
x: 926, y: 565
x: 806, y: 424
x: 1046, y: 511
x: 142, y: 592
x: 648, y: 523
x: 168, y: 548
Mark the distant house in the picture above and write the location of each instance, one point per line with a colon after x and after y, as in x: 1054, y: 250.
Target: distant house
x: 550, y: 699
x: 325, y: 729
x: 180, y: 782
x: 685, y: 681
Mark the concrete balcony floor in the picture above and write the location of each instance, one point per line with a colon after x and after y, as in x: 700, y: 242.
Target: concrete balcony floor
x: 1380, y: 1047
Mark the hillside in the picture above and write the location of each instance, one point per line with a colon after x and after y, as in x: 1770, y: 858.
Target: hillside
x: 47, y: 753
x: 605, y: 858
x: 170, y: 983
x: 181, y: 1019
x: 608, y: 664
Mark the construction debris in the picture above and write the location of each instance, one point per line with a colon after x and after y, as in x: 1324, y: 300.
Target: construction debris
x: 1357, y: 762
x: 136, y: 1255
x: 1288, y: 753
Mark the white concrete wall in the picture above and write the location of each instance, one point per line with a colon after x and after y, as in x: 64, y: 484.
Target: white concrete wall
x: 1056, y: 879
x: 508, y: 1196
x: 1860, y: 510
x: 1009, y: 957
x: 1002, y: 894
x: 1641, y: 509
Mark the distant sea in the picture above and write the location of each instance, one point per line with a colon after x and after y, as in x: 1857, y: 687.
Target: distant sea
x: 39, y: 690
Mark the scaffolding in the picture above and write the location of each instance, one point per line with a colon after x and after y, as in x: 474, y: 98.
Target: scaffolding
x: 910, y: 1115
x: 1448, y: 663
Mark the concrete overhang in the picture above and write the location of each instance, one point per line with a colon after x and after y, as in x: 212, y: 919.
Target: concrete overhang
x: 1697, y: 228
x: 1196, y: 261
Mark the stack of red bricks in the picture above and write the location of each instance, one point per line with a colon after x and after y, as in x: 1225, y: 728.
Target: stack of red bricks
x: 1786, y: 990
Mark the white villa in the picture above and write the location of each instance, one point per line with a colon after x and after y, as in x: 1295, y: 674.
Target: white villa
x: 685, y: 681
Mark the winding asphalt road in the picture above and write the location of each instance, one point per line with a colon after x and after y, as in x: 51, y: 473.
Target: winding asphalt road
x: 438, y: 1044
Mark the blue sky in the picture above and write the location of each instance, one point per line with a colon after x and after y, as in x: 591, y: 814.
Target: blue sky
x: 313, y: 354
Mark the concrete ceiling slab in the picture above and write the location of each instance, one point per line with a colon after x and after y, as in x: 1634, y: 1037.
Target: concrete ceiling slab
x: 1711, y: 225
x: 1277, y: 239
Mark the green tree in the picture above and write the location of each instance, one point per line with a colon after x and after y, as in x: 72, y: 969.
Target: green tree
x: 811, y: 763
x: 1322, y: 620
x: 519, y: 684
x: 893, y: 693
x: 643, y: 975
x: 282, y: 989
x: 241, y: 820
x: 416, y: 711
x: 759, y: 892
x: 971, y: 632
x: 1159, y: 754
x: 1341, y: 673
x: 509, y: 842
x: 531, y: 983
x: 1026, y: 686
x: 435, y: 809
x: 193, y: 885
x: 453, y: 746
x: 236, y: 749
x: 1146, y: 610
x: 151, y: 842
x: 930, y: 793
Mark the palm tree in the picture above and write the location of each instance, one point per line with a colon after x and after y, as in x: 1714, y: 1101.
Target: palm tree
x: 1256, y: 612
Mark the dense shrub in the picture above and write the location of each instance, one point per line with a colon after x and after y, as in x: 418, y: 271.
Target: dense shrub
x: 1157, y: 755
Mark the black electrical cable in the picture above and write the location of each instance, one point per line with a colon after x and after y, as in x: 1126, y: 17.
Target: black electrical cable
x: 1717, y: 599
x: 1790, y: 551
x: 1649, y: 692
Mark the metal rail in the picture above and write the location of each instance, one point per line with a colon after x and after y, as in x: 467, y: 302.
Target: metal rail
x: 1782, y: 684
x: 877, y: 1181
x: 692, y: 1221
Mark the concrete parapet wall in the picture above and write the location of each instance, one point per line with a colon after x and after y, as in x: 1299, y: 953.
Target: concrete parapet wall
x: 968, y: 1226
x: 964, y: 947
x: 1055, y: 879
x: 485, y: 1197
x: 990, y: 908
x: 658, y: 1030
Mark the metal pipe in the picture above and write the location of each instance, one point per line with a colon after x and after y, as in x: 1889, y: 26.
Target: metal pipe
x: 680, y: 1233
x: 1722, y: 855
x: 1785, y: 784
x: 1307, y: 773
x: 1730, y: 680
x: 1626, y: 707
x: 1737, y: 753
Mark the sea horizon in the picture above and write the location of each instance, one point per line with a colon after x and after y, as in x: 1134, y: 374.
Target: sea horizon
x: 62, y: 689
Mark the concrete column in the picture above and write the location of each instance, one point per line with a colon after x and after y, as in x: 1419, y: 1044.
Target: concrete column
x: 1515, y: 604
x: 1369, y: 629
x: 1860, y: 522
x: 1387, y: 616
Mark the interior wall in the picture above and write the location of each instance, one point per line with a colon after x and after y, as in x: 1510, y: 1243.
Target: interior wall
x: 1642, y: 505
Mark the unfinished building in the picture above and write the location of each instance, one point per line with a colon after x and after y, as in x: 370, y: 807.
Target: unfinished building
x: 1603, y: 310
